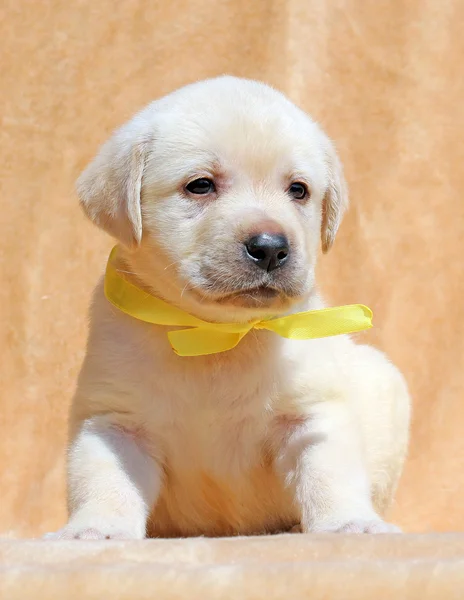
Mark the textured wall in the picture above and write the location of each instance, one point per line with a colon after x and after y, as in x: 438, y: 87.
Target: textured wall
x: 384, y: 78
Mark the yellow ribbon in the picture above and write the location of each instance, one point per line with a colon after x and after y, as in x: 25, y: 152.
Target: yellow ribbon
x: 202, y: 338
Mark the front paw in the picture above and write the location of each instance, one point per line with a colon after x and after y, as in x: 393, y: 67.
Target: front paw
x: 357, y: 525
x: 97, y: 529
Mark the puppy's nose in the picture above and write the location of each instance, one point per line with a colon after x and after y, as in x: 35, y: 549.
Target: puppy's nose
x: 268, y: 251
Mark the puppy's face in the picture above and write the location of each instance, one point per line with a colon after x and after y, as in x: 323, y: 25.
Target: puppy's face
x: 225, y: 188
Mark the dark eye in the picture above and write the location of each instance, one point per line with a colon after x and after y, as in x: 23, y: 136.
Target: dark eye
x: 200, y: 186
x: 299, y: 191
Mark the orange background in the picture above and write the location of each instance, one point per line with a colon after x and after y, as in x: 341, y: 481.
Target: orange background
x: 384, y: 78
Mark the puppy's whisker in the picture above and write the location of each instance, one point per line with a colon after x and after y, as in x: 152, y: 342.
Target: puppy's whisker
x: 184, y: 289
x: 128, y: 272
x: 257, y: 300
x: 170, y: 265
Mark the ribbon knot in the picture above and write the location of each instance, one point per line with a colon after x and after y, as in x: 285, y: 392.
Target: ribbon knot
x: 199, y: 337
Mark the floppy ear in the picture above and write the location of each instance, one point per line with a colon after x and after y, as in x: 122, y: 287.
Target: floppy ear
x: 109, y: 188
x: 335, y: 201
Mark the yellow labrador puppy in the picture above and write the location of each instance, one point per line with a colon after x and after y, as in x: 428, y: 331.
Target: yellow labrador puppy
x: 218, y: 195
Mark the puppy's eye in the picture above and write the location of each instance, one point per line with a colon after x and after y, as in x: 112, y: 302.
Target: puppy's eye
x: 201, y: 186
x: 298, y: 190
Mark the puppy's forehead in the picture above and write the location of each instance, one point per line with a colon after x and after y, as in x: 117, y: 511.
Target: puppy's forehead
x: 254, y: 132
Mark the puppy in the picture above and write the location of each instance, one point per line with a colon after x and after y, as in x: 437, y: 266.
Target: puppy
x: 218, y: 195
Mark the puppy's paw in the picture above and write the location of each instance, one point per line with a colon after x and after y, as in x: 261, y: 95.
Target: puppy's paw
x: 104, y: 530
x: 360, y: 526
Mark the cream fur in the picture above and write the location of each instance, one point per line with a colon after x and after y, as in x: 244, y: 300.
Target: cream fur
x: 273, y: 434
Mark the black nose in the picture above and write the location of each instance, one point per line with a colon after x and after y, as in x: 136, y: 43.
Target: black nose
x: 268, y: 251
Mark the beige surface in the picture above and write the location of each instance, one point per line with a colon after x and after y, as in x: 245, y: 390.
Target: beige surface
x: 384, y: 78
x: 268, y: 568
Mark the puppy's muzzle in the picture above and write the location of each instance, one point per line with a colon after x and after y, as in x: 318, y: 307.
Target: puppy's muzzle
x: 268, y: 251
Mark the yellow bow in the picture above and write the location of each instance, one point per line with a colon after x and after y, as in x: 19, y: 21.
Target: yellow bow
x: 202, y: 337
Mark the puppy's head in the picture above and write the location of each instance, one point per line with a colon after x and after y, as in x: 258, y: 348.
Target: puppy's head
x: 220, y: 193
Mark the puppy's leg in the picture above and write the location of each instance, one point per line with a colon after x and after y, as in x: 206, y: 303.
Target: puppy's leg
x: 113, y: 484
x: 322, y: 460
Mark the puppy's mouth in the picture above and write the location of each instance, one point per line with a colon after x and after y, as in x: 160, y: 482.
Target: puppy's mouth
x: 255, y: 296
x: 258, y: 297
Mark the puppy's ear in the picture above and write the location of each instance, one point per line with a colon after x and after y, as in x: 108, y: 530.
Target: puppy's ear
x: 335, y: 201
x: 109, y: 188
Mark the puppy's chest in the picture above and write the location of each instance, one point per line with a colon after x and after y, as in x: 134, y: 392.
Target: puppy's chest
x: 226, y: 444
x: 219, y: 426
x: 219, y: 475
